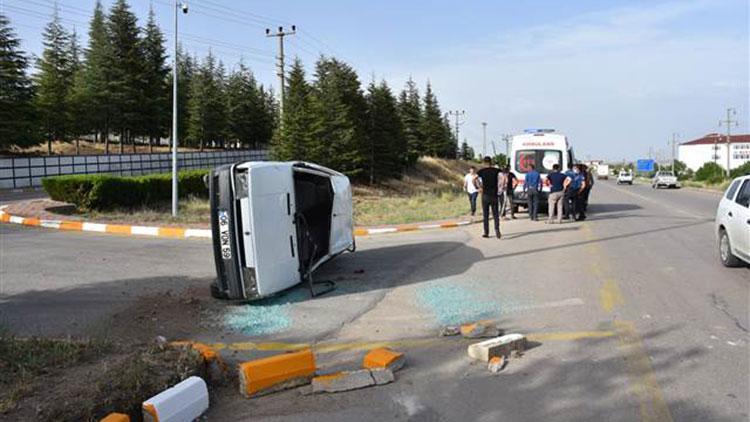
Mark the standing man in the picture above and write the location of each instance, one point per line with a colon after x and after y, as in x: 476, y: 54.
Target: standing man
x: 509, y: 183
x: 489, y: 185
x: 471, y: 188
x: 558, y: 182
x: 532, y: 185
x: 569, y: 193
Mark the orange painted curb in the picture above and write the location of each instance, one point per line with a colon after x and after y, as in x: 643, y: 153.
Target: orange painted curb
x: 71, y: 225
x: 31, y: 221
x: 381, y: 358
x: 295, y: 368
x: 171, y: 232
x: 116, y: 417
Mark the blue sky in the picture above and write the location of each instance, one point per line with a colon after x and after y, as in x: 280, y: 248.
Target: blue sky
x: 618, y: 77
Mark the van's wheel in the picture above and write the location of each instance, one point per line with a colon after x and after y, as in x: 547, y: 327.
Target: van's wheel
x: 725, y: 251
x: 515, y: 209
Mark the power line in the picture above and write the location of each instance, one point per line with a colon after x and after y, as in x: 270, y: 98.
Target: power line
x: 728, y: 122
x: 458, y: 114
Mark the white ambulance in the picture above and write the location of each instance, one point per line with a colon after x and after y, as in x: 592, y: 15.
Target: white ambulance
x: 543, y: 148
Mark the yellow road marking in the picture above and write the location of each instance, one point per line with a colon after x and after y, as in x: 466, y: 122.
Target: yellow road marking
x: 610, y: 296
x: 643, y: 381
x: 406, y: 343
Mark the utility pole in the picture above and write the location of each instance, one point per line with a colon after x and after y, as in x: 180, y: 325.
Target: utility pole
x: 674, y: 141
x: 458, y: 114
x: 728, y: 122
x: 184, y: 8
x: 507, y: 138
x: 280, y: 34
x: 484, y: 139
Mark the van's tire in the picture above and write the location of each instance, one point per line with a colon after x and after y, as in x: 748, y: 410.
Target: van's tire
x: 515, y: 209
x: 725, y: 251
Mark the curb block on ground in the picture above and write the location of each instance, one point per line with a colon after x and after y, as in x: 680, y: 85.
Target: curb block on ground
x: 266, y: 375
x: 185, y: 233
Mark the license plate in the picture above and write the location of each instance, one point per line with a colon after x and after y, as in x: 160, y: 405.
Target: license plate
x: 224, y: 242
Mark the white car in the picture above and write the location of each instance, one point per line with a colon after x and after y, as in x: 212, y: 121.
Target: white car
x: 733, y: 223
x: 666, y: 179
x: 274, y: 223
x: 625, y: 177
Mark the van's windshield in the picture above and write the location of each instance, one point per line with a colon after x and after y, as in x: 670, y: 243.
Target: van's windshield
x: 543, y: 159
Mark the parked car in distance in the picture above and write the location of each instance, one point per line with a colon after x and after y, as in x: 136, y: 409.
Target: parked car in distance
x: 733, y: 223
x: 625, y: 177
x: 666, y: 179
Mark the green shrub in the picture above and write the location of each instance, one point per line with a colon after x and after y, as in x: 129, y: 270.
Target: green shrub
x: 104, y: 191
x: 710, y: 172
x: 741, y: 170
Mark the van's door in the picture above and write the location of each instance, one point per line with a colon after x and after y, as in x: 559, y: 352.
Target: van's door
x: 271, y: 194
x: 341, y: 215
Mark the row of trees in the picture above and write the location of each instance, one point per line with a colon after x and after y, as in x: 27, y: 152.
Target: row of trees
x: 368, y: 134
x: 118, y: 87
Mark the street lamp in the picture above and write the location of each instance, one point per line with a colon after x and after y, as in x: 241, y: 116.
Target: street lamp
x: 177, y: 7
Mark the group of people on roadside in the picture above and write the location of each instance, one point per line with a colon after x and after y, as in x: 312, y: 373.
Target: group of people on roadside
x: 567, y: 199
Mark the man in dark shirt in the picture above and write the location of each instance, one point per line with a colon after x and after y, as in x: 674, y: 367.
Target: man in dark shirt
x: 532, y: 185
x: 489, y: 177
x: 558, y: 182
x: 509, y: 183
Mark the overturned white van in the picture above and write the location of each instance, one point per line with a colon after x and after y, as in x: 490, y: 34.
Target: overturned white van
x: 274, y: 223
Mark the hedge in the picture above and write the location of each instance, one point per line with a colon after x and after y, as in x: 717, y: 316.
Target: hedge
x: 104, y: 191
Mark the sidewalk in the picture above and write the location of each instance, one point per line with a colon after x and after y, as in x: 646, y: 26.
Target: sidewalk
x: 55, y: 215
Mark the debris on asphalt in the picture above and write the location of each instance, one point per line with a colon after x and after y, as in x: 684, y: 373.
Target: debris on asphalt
x: 382, y: 376
x: 116, y: 417
x: 359, y: 271
x: 450, y: 330
x: 276, y: 373
x: 160, y: 340
x: 383, y: 358
x: 495, y: 347
x: 480, y: 329
x: 184, y: 401
x: 496, y: 364
x: 351, y: 380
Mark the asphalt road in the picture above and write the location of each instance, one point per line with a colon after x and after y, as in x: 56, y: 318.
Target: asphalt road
x: 630, y: 312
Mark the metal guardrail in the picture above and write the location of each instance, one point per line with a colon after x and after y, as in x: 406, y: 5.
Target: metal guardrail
x: 23, y: 172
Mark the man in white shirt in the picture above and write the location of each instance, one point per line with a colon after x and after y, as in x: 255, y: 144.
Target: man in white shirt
x: 471, y: 187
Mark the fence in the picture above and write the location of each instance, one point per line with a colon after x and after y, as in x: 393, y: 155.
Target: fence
x: 21, y: 172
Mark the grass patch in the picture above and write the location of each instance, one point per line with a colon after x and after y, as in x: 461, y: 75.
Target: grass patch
x: 192, y: 211
x: 373, y: 210
x: 23, y: 360
x: 71, y: 380
x: 720, y: 187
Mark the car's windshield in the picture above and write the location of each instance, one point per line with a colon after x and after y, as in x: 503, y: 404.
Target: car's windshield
x: 624, y: 173
x: 666, y: 173
x: 542, y: 159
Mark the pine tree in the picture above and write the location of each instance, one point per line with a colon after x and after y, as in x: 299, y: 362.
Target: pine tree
x: 156, y: 111
x: 16, y: 94
x: 248, y: 119
x: 269, y: 117
x: 185, y: 71
x: 410, y: 111
x: 386, y: 147
x: 432, y: 126
x: 467, y: 152
x: 207, y: 117
x: 295, y: 137
x: 54, y: 82
x: 77, y: 121
x: 92, y: 97
x: 125, y: 70
x: 339, y: 113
